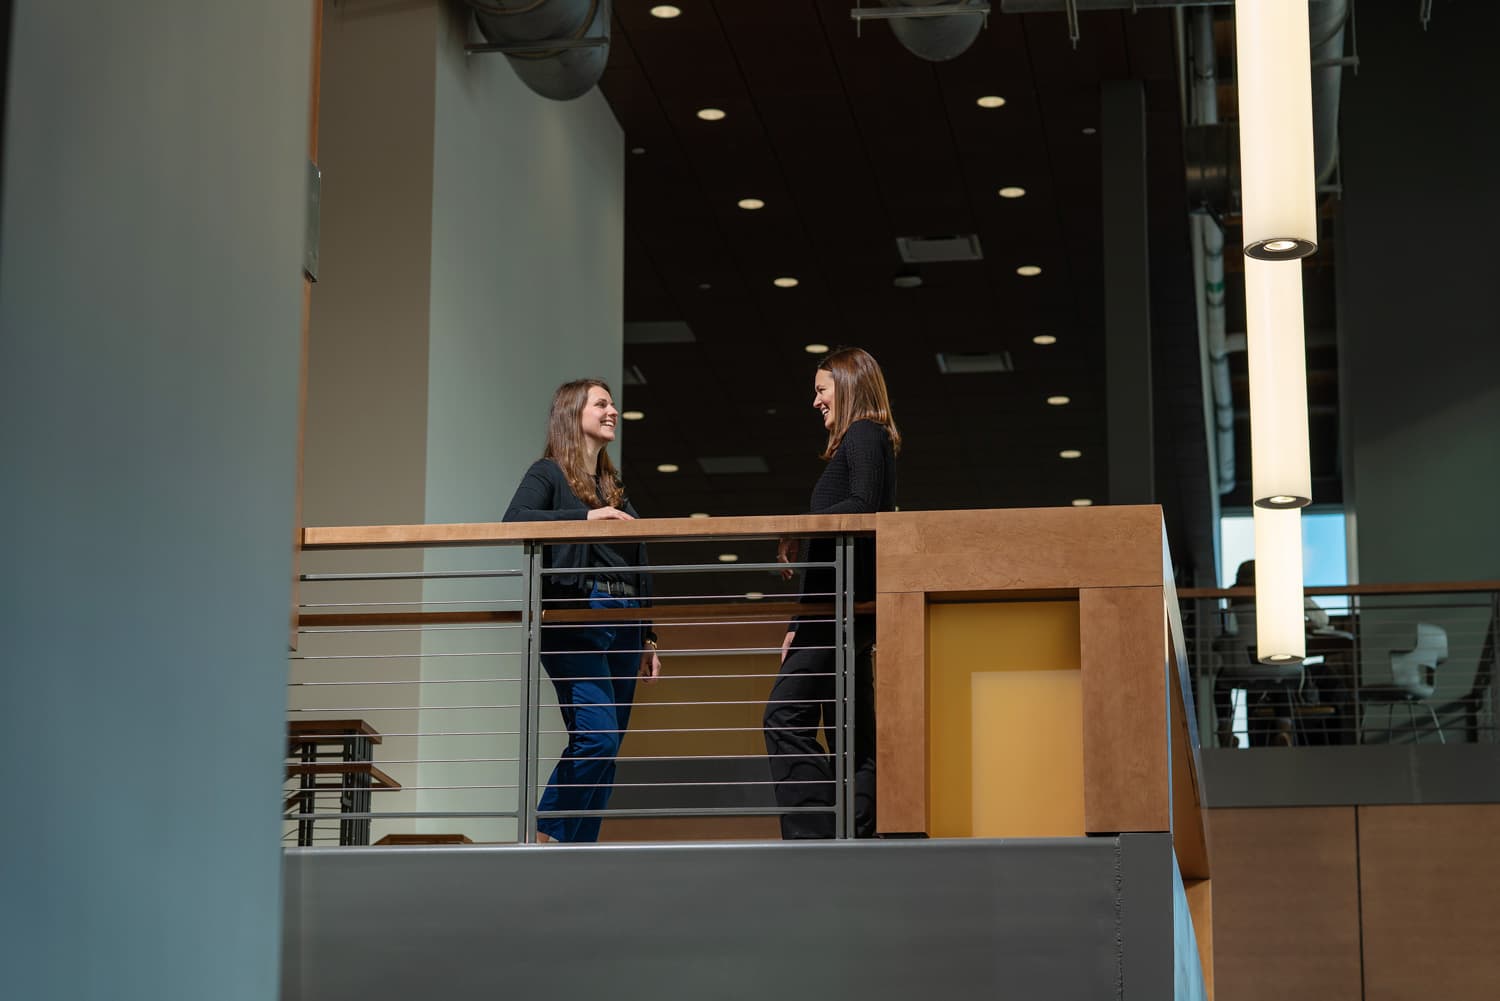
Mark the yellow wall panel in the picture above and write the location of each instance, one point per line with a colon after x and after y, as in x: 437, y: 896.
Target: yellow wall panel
x: 1006, y: 748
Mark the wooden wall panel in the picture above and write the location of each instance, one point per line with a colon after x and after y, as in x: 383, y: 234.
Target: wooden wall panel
x: 1126, y: 763
x: 1024, y: 549
x: 1430, y: 886
x: 1286, y: 905
x: 901, y: 719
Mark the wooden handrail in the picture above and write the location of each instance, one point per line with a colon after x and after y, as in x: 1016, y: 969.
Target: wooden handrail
x: 502, y: 533
x: 1354, y: 590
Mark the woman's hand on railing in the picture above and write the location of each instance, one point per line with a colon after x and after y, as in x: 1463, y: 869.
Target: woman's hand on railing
x: 786, y: 552
x: 609, y: 514
x: 650, y: 663
x: 786, y: 643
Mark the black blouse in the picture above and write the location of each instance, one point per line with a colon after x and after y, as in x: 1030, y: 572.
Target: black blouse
x: 544, y: 495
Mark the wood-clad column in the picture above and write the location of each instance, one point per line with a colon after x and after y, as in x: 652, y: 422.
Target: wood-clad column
x: 901, y: 723
x: 1126, y: 763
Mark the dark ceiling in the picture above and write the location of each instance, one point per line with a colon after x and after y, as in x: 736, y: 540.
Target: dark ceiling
x: 851, y: 141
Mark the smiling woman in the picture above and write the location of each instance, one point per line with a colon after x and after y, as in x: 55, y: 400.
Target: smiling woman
x: 594, y: 668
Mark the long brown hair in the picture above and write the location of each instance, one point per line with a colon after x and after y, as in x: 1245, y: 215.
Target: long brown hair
x: 859, y: 394
x: 565, y: 446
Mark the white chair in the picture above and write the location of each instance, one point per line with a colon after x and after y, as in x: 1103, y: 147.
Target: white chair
x: 1413, y: 679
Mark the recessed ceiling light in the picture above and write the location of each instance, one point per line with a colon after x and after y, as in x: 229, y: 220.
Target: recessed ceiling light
x: 1083, y: 502
x: 907, y: 281
x: 665, y: 11
x: 991, y: 101
x: 667, y: 467
x: 1012, y: 192
x: 1059, y: 401
x: 1089, y: 130
x: 711, y: 114
x: 698, y: 514
x: 728, y: 558
x: 815, y: 349
x: 751, y: 204
x: 1028, y: 271
x: 784, y: 282
x: 754, y: 595
x: 1070, y: 453
x: 637, y: 150
x: 704, y: 286
x: 633, y: 415
x: 1044, y: 339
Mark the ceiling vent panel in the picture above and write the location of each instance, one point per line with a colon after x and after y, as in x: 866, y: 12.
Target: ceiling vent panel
x: 973, y: 362
x: 939, y: 249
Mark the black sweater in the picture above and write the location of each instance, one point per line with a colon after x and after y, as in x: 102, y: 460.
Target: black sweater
x: 859, y: 479
x: 544, y: 495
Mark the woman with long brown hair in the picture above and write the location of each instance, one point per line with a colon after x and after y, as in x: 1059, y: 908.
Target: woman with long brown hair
x: 593, y: 667
x: 849, y: 393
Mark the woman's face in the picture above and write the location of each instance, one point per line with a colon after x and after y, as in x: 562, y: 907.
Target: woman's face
x: 597, y: 422
x: 823, y: 399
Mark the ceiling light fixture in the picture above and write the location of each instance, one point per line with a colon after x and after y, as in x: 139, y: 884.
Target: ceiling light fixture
x: 711, y: 114
x: 1089, y: 130
x: 991, y: 101
x: 1028, y: 271
x: 637, y: 150
x: 1280, y: 635
x: 784, y: 282
x: 1059, y: 401
x: 1083, y: 502
x: 728, y: 558
x: 1012, y: 192
x: 1044, y: 339
x: 751, y: 204
x: 815, y: 349
x: 667, y: 467
x: 665, y: 11
x: 1277, y: 182
x: 907, y: 281
x: 1070, y: 453
x: 1280, y: 466
x: 633, y: 415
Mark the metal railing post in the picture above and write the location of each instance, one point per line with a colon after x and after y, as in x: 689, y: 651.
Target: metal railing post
x: 841, y: 804
x: 529, y: 714
x: 849, y: 643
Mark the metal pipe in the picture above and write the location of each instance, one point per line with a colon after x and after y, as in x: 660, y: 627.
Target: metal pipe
x: 557, y: 47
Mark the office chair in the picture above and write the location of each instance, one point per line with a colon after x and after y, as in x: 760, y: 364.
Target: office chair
x: 1413, y: 680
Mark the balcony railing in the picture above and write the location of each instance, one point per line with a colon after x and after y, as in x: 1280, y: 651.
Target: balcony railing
x: 420, y: 710
x: 1387, y: 663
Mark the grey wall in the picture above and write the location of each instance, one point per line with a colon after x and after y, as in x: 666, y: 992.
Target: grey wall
x: 1418, y: 328
x: 472, y: 260
x: 150, y: 297
x: 1061, y: 919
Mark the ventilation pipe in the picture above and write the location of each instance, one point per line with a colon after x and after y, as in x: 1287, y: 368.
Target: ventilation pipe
x: 562, y: 71
x: 1325, y: 29
x: 936, y: 37
x: 1208, y: 247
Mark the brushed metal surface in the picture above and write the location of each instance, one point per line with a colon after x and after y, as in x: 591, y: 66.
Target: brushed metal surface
x: 1039, y: 919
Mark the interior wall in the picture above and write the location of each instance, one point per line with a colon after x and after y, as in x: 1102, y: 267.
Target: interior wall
x: 1416, y: 311
x: 150, y: 301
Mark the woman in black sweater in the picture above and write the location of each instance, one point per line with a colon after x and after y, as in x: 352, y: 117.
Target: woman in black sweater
x: 849, y: 392
x: 593, y: 667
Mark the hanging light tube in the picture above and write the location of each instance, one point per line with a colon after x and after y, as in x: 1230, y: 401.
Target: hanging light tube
x: 1281, y: 474
x: 1278, y: 185
x: 1280, y: 637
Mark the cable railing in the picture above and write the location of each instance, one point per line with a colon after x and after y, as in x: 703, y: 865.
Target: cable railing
x: 466, y: 690
x: 1386, y: 663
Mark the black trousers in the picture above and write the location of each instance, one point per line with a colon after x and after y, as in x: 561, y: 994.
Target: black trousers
x: 801, y: 700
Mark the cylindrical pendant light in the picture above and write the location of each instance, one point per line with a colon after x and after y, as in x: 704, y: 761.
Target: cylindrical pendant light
x: 1280, y: 471
x: 1279, y: 634
x: 1277, y: 173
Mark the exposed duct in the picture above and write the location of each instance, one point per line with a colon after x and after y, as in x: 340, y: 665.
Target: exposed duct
x: 1325, y: 31
x: 1208, y: 247
x: 557, y: 47
x: 937, y: 37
